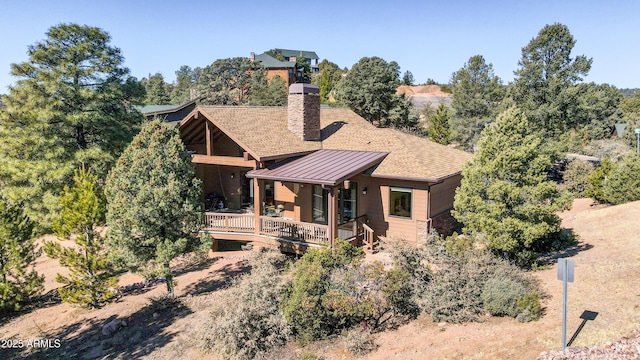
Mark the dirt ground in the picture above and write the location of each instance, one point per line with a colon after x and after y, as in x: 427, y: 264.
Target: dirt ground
x: 607, y: 264
x: 425, y: 95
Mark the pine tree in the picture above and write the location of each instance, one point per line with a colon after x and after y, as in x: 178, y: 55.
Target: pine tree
x: 18, y: 279
x: 546, y: 77
x: 623, y: 183
x: 329, y: 76
x: 407, y: 78
x: 595, y: 189
x: 157, y: 90
x: 154, y: 211
x: 71, y: 104
x: 90, y: 278
x: 504, y: 198
x: 439, y: 127
x: 477, y: 92
x: 369, y: 89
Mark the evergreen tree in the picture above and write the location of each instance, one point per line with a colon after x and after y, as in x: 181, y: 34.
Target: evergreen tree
x: 267, y: 93
x: 623, y: 183
x: 595, y: 189
x: 18, y: 280
x: 504, y: 198
x: 369, y: 89
x: 407, y: 78
x: 439, y: 128
x: 154, y: 211
x: 71, y: 104
x: 186, y: 79
x: 276, y: 54
x: 227, y: 81
x: 594, y: 110
x: 157, y: 90
x: 403, y: 115
x: 90, y: 278
x: 303, y: 68
x: 476, y: 95
x: 329, y: 76
x: 546, y: 74
x: 278, y: 94
x: 630, y: 108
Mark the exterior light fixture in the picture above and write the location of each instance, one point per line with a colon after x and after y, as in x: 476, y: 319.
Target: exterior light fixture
x: 364, y: 191
x: 346, y: 184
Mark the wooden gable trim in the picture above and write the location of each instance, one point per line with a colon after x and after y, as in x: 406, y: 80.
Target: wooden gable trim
x: 223, y: 160
x: 196, y: 114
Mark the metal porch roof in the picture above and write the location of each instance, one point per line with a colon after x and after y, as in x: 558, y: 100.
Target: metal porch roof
x: 323, y: 167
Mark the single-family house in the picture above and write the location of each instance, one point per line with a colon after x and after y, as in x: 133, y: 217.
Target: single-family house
x: 285, y: 69
x: 293, y: 55
x: 301, y: 175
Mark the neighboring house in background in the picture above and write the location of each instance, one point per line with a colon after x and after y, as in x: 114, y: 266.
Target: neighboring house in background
x: 310, y: 56
x: 301, y: 176
x: 168, y: 113
x: 285, y: 69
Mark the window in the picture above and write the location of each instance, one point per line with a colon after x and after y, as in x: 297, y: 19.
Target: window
x: 319, y: 210
x: 400, y: 202
x: 269, y: 193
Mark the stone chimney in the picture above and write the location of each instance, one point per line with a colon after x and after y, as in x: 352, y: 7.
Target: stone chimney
x: 304, y: 111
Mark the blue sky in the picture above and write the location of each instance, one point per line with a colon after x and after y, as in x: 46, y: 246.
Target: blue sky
x: 432, y: 39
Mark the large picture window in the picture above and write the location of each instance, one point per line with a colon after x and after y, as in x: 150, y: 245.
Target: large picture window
x: 400, y: 202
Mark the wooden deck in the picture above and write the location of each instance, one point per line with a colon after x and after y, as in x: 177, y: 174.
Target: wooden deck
x: 243, y: 226
x: 269, y: 227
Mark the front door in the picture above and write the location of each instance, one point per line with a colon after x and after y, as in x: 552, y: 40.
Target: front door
x: 348, y: 203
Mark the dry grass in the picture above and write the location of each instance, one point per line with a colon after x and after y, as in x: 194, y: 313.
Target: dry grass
x: 606, y: 282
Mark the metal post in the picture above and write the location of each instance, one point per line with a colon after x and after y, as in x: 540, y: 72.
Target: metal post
x: 564, y: 305
x: 565, y: 274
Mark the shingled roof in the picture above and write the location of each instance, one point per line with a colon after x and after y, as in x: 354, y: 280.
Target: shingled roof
x: 263, y: 132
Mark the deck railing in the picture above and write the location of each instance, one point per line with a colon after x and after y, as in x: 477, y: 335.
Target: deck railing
x: 294, y: 230
x: 355, y: 229
x: 230, y: 222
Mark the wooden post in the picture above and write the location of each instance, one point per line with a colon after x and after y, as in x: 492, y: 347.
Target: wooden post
x: 208, y: 136
x: 257, y: 205
x: 333, y: 215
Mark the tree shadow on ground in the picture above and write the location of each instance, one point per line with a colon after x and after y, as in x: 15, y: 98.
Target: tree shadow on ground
x: 223, y: 277
x: 144, y: 332
x: 197, y: 266
x: 572, y: 247
x: 50, y: 298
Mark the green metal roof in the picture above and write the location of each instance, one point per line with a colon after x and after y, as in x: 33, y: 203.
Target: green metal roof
x: 145, y: 109
x: 271, y: 62
x: 306, y: 54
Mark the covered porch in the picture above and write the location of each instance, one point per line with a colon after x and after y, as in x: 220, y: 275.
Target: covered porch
x: 310, y: 200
